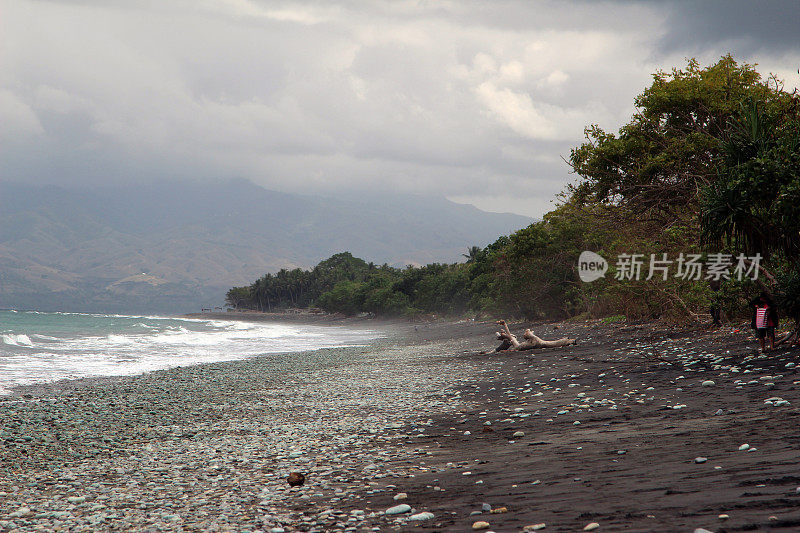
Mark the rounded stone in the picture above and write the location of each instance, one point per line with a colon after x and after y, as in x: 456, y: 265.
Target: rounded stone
x: 534, y: 527
x: 398, y: 509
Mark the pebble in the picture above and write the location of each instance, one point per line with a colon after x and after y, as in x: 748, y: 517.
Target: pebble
x: 744, y: 447
x: 700, y: 460
x: 20, y: 513
x: 708, y: 383
x: 485, y: 507
x: 400, y: 496
x: 398, y: 509
x: 702, y: 530
x: 591, y: 526
x: 518, y: 434
x: 534, y: 527
x: 480, y: 525
x: 421, y: 516
x: 723, y: 517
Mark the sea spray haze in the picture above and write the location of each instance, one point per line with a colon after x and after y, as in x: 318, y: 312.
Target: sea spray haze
x: 38, y: 347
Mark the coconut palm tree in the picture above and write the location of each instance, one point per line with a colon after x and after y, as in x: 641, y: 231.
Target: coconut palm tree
x: 473, y: 254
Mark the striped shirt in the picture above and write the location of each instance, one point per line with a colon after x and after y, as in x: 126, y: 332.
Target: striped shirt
x: 761, y: 317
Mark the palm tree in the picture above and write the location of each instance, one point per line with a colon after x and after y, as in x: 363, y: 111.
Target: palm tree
x: 734, y: 211
x: 473, y: 254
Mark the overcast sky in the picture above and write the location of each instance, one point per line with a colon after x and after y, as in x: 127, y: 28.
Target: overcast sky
x: 477, y: 101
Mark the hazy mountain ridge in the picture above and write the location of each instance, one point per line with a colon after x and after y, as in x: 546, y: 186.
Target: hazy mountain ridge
x: 86, y: 249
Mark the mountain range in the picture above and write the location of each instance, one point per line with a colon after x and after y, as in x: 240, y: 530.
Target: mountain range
x: 174, y: 247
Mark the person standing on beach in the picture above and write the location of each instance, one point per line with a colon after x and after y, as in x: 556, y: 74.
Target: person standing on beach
x: 764, y: 319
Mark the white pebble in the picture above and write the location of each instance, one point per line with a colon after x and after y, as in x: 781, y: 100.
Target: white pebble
x: 398, y: 509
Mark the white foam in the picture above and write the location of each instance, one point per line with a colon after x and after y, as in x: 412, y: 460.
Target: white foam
x: 120, y: 339
x: 46, y: 337
x: 16, y: 339
x: 147, y: 344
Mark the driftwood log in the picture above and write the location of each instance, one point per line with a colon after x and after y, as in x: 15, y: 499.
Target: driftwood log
x: 531, y: 342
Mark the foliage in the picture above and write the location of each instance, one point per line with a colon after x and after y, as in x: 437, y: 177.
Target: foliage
x: 755, y: 203
x: 657, y: 163
x: 789, y: 293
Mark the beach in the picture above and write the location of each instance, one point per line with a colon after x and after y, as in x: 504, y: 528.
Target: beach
x: 639, y: 427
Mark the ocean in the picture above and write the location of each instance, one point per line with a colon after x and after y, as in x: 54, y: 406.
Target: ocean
x: 38, y: 347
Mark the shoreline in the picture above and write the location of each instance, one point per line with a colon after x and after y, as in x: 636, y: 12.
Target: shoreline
x: 208, y: 447
x: 302, y: 318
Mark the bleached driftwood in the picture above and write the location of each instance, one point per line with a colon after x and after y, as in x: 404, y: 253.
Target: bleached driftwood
x: 531, y: 342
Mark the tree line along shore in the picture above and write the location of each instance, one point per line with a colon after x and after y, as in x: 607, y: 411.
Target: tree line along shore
x: 706, y: 172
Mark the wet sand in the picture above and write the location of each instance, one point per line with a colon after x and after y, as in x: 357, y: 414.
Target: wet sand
x: 207, y: 448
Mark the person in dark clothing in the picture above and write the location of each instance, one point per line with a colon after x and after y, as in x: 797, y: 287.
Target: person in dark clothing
x: 716, y: 310
x: 764, y: 319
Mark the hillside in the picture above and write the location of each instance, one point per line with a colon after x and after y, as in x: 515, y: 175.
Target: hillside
x: 174, y: 247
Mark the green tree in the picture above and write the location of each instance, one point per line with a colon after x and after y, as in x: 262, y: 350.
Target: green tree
x: 238, y: 297
x: 347, y: 297
x: 755, y: 203
x: 657, y: 164
x: 474, y: 253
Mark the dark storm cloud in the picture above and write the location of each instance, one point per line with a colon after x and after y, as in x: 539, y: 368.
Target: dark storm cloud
x: 742, y: 27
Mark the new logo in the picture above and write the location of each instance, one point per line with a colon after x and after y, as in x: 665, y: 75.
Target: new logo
x: 591, y: 266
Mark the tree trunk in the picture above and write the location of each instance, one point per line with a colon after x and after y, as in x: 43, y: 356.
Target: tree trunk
x: 510, y: 342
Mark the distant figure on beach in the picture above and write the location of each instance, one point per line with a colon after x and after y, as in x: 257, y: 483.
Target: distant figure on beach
x: 716, y: 310
x: 764, y: 319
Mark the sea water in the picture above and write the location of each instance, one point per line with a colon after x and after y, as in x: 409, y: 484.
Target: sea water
x: 40, y: 347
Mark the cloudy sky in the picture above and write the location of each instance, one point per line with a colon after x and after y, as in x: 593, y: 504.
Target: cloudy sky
x: 474, y: 100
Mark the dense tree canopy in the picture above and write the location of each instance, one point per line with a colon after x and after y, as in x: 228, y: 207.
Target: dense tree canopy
x: 658, y: 163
